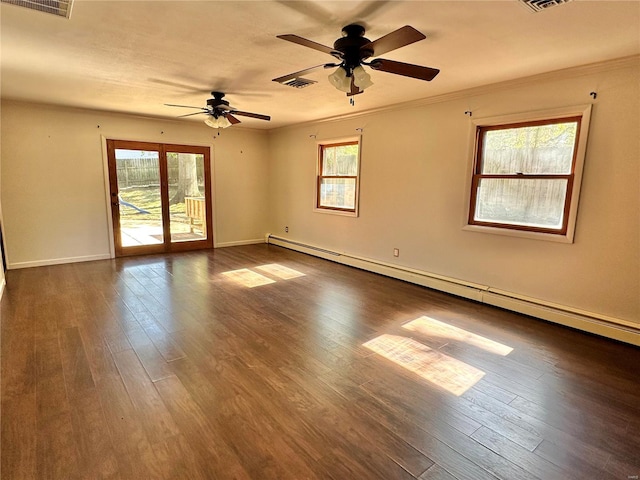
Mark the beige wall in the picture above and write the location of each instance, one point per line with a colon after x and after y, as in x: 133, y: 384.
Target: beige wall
x: 415, y: 170
x: 53, y: 181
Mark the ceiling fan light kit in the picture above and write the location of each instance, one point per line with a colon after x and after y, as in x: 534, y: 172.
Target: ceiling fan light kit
x: 219, y: 122
x: 340, y: 80
x: 361, y: 78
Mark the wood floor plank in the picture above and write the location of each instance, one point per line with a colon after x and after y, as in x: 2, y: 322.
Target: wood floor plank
x: 584, y: 446
x: 215, y: 458
x: 436, y: 473
x: 96, y: 455
x: 18, y: 437
x: 163, y: 342
x: 135, y: 456
x: 382, y: 441
x: 56, y: 450
x: 143, y: 463
x: 573, y: 458
x: 619, y: 468
x: 153, y: 362
x: 531, y: 462
x: 238, y: 408
x: 177, y: 459
x: 77, y: 372
x: 495, y: 464
x: 570, y: 420
x: 161, y: 367
x: 410, y: 397
x: 153, y: 414
x: 96, y: 349
x: 409, y: 430
x: 51, y: 394
x: 17, y: 349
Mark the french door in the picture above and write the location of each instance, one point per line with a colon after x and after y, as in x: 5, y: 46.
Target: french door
x: 160, y: 197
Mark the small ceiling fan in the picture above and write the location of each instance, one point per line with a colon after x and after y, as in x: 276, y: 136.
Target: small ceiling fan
x: 353, y: 48
x: 219, y: 112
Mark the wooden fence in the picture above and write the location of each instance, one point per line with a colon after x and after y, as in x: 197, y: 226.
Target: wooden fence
x: 144, y: 172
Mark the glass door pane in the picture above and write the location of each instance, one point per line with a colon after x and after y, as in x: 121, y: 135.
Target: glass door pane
x: 187, y: 205
x: 139, y: 197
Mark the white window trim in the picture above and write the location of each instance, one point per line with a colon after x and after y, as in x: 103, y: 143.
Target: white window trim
x: 357, y: 138
x: 579, y: 110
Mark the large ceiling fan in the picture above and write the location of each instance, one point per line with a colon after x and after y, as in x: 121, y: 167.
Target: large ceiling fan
x: 219, y: 112
x: 353, y: 49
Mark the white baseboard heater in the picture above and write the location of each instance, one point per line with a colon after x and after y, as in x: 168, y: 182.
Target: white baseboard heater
x: 602, y: 325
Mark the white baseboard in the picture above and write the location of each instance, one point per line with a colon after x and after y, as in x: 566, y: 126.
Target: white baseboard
x: 2, y: 285
x: 58, y: 261
x: 598, y: 324
x: 616, y: 330
x: 239, y: 243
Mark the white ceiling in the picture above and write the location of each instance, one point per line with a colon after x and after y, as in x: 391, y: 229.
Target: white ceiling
x: 135, y: 56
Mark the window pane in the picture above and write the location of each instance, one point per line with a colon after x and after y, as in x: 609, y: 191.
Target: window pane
x: 533, y: 149
x: 528, y: 202
x: 340, y: 161
x: 338, y: 193
x: 140, y: 205
x: 187, y: 210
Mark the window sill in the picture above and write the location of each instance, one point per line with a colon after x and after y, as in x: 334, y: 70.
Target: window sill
x: 549, y: 237
x: 336, y: 212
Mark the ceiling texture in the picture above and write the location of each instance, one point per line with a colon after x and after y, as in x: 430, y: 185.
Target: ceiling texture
x: 134, y: 56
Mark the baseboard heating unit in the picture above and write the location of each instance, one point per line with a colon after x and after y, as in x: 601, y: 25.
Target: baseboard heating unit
x: 614, y: 328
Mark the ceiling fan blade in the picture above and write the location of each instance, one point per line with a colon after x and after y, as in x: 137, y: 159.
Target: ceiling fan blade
x: 184, y: 106
x: 405, y: 69
x: 232, y: 120
x: 252, y: 115
x: 291, y: 76
x: 354, y: 90
x: 189, y: 114
x: 396, y: 39
x: 308, y: 43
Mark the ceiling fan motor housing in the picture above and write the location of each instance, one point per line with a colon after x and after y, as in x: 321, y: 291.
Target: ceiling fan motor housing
x: 216, y: 102
x: 350, y: 45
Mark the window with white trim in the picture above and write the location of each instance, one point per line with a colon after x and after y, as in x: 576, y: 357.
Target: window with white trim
x: 526, y: 175
x: 338, y: 176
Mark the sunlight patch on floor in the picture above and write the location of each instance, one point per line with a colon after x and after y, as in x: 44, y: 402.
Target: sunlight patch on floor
x: 280, y: 271
x: 434, y: 328
x: 247, y: 278
x: 436, y: 367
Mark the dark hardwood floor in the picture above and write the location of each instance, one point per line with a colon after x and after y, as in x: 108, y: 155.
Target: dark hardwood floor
x: 168, y: 367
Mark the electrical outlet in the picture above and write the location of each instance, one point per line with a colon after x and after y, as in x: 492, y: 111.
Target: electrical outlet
x: 396, y: 252
x: 286, y: 229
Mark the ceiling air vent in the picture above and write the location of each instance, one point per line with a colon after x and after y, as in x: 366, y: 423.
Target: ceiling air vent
x: 299, y: 82
x: 538, y: 5
x: 61, y: 8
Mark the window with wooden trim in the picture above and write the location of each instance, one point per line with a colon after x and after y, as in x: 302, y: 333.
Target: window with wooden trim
x: 338, y: 176
x: 526, y: 175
